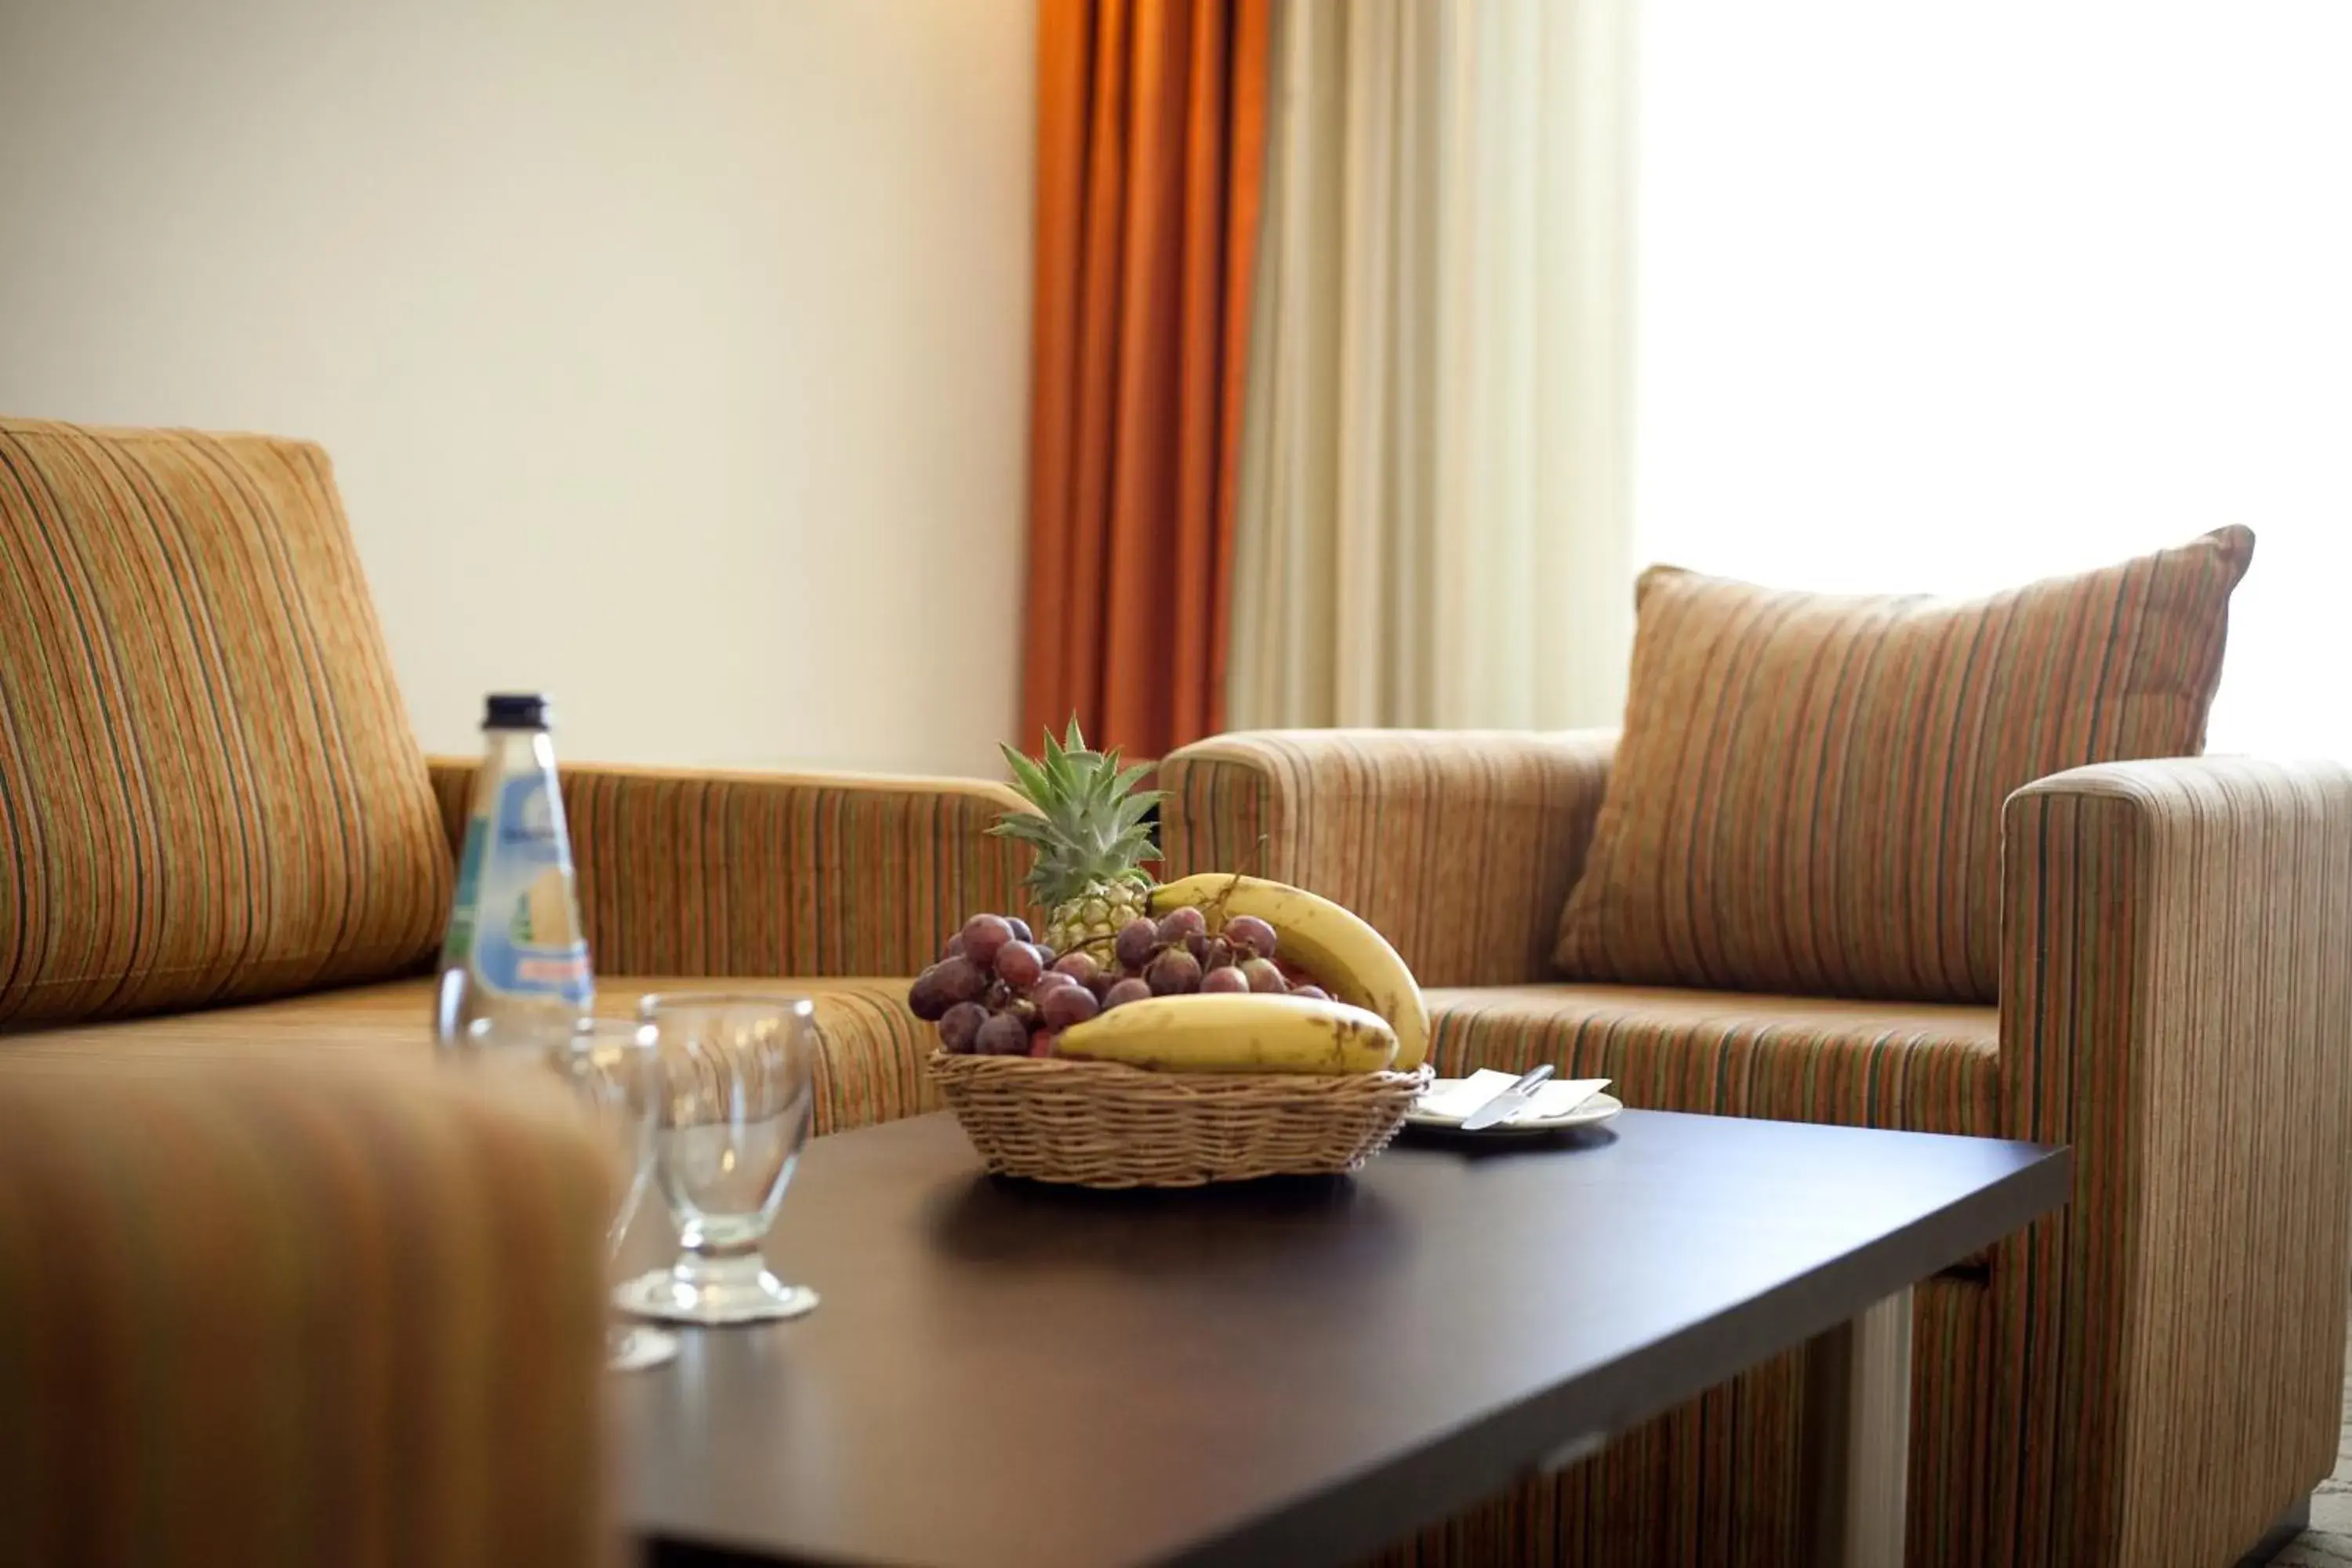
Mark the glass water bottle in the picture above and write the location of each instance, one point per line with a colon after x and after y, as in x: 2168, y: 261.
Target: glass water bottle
x: 515, y: 960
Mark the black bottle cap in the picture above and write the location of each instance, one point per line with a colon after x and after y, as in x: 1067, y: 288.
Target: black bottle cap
x: 515, y: 711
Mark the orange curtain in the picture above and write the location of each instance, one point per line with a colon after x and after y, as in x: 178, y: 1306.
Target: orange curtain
x: 1151, y: 143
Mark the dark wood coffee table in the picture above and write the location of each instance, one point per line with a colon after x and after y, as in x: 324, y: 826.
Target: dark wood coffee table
x: 1296, y: 1372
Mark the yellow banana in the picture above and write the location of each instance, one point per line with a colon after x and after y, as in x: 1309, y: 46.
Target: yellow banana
x: 1346, y: 955
x: 1235, y: 1032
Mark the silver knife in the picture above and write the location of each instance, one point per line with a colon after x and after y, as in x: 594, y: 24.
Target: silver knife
x: 1508, y: 1103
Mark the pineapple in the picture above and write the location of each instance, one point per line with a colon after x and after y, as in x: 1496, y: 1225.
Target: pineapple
x: 1090, y: 837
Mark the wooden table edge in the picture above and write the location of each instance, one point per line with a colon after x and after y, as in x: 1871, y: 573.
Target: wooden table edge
x: 1367, y: 1511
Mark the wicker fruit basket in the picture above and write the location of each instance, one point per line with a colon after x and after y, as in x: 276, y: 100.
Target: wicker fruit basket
x: 1103, y: 1124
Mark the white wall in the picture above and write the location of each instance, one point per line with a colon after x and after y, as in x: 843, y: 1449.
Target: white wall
x: 1946, y: 298
x: 673, y: 354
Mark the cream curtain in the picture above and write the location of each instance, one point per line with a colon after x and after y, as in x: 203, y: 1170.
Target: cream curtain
x: 1432, y: 522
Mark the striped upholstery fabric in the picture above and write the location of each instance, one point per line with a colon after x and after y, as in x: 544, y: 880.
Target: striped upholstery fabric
x: 1714, y: 1484
x: 208, y: 786
x: 1460, y: 847
x: 279, y: 1317
x: 1918, y: 1066
x: 1808, y: 795
x: 869, y: 1068
x: 453, y: 796
x: 2176, y: 1004
x: 752, y: 874
x: 2145, y: 1380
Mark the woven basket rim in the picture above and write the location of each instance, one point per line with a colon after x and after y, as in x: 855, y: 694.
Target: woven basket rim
x: 1106, y: 1125
x: 1043, y: 1068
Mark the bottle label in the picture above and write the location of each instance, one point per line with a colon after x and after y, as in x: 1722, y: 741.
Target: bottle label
x: 526, y: 934
x: 458, y: 946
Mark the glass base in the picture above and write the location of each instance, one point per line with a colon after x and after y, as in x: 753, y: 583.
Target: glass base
x: 633, y: 1349
x: 701, y: 1289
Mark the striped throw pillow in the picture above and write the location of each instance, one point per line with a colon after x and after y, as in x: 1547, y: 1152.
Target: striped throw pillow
x: 1807, y: 797
x: 209, y: 789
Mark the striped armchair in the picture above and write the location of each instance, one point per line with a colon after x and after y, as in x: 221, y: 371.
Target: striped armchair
x: 2150, y: 1378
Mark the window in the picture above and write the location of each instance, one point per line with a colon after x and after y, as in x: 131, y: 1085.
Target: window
x: 1942, y: 298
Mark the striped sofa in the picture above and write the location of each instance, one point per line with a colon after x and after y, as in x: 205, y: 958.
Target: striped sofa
x: 2149, y: 1379
x: 219, y: 839
x: 273, y: 1292
x: 688, y: 881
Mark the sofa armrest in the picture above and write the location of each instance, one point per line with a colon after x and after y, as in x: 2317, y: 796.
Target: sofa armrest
x: 276, y: 1315
x: 701, y: 872
x: 2176, y: 1003
x: 1459, y: 846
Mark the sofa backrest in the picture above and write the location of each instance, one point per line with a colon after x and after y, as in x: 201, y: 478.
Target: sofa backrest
x: 209, y: 789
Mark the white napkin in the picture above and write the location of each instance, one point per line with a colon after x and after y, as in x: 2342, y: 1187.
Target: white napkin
x: 1553, y: 1097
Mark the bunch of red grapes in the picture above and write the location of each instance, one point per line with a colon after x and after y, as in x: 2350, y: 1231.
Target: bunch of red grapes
x: 999, y: 992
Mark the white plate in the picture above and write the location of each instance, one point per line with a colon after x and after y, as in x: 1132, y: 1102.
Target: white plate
x: 1592, y: 1113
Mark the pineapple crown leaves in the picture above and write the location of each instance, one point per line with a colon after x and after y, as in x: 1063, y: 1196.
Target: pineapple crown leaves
x: 1088, y: 825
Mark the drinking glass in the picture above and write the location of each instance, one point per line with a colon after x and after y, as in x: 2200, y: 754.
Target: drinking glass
x: 736, y: 1092
x: 609, y: 1066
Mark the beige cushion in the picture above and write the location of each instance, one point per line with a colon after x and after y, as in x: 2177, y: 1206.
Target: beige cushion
x: 1807, y: 795
x: 209, y: 789
x: 869, y: 1061
x: 1921, y: 1067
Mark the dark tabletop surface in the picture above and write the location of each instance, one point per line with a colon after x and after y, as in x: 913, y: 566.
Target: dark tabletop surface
x: 1288, y: 1372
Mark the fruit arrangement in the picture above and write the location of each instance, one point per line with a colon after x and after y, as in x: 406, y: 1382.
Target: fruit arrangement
x: 1221, y: 972
x: 1217, y: 1028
